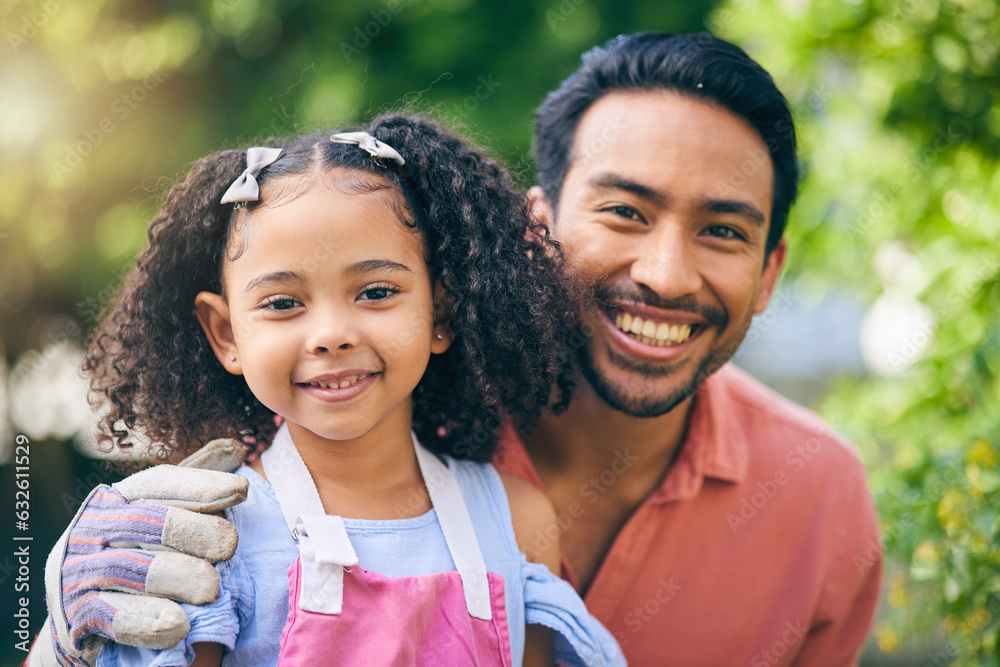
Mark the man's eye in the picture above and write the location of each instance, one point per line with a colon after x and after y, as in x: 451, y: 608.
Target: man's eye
x: 624, y: 212
x: 724, y: 232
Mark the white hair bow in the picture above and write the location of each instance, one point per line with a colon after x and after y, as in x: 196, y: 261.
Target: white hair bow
x: 245, y: 187
x: 369, y: 143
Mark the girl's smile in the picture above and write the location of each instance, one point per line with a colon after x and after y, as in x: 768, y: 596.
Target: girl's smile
x: 336, y: 387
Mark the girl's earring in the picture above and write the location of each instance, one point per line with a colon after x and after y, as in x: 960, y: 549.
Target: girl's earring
x: 232, y: 357
x: 438, y: 336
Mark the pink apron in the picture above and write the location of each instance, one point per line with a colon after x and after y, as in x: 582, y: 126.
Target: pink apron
x: 340, y: 614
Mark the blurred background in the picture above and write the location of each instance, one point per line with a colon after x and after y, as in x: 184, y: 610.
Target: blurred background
x: 885, y: 321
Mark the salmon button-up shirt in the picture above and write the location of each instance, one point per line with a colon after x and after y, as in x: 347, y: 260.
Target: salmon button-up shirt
x: 759, y: 547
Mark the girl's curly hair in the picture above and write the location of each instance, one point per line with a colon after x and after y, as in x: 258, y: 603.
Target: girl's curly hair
x: 513, y: 309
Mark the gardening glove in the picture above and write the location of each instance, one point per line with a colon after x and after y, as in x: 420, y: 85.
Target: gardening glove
x: 131, y: 546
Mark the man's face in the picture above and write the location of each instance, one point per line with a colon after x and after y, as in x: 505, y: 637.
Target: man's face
x: 664, y: 211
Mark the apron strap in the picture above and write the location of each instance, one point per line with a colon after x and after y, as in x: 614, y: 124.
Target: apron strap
x: 325, y: 548
x: 458, y: 531
x: 288, y: 475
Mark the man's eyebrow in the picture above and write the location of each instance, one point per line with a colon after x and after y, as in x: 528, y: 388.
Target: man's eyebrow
x: 273, y: 277
x: 613, y: 182
x: 371, y: 265
x: 743, y: 209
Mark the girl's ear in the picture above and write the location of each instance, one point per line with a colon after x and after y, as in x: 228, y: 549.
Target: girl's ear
x: 441, y: 335
x: 213, y: 314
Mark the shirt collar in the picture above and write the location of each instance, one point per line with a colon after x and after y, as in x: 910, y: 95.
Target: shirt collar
x: 716, y: 421
x: 716, y: 445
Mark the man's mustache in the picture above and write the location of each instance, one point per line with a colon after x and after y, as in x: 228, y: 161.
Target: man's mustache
x: 687, y: 303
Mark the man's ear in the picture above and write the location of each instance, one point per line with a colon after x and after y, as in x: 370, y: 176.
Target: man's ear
x: 769, y: 279
x: 539, y: 208
x: 441, y: 335
x: 213, y: 314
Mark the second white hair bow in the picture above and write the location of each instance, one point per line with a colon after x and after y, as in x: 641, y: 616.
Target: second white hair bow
x: 369, y: 143
x: 245, y: 187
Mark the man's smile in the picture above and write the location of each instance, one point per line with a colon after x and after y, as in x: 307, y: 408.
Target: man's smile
x: 657, y: 329
x: 656, y: 332
x: 678, y: 337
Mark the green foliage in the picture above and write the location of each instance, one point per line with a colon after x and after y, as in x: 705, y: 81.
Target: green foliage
x: 900, y: 124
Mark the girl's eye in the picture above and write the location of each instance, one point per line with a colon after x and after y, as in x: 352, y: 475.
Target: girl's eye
x: 280, y: 303
x: 378, y: 292
x: 623, y: 211
x: 724, y: 232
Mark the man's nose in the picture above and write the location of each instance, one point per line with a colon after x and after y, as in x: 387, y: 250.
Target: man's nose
x: 666, y: 263
x: 330, y: 329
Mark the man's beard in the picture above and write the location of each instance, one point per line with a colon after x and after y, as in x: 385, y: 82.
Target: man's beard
x: 619, y: 397
x: 640, y: 406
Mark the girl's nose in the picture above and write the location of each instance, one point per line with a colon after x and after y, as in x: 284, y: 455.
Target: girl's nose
x: 332, y: 330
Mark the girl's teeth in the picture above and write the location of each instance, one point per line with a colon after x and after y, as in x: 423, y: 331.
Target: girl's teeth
x: 343, y: 384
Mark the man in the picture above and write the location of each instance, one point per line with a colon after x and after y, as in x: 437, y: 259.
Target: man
x: 706, y: 520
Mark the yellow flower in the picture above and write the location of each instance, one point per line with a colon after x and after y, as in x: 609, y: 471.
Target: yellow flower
x: 974, y: 621
x: 949, y: 510
x: 886, y: 636
x: 982, y: 453
x: 897, y: 595
x: 927, y: 553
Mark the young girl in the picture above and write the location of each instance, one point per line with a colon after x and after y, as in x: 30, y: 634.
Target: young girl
x: 386, y: 295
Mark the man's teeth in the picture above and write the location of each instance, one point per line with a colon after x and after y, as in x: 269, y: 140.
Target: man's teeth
x: 653, y: 333
x: 343, y: 384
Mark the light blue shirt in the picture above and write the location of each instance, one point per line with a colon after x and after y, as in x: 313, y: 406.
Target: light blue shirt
x: 252, y: 607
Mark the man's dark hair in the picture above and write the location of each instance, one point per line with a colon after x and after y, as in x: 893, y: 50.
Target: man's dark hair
x: 698, y: 65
